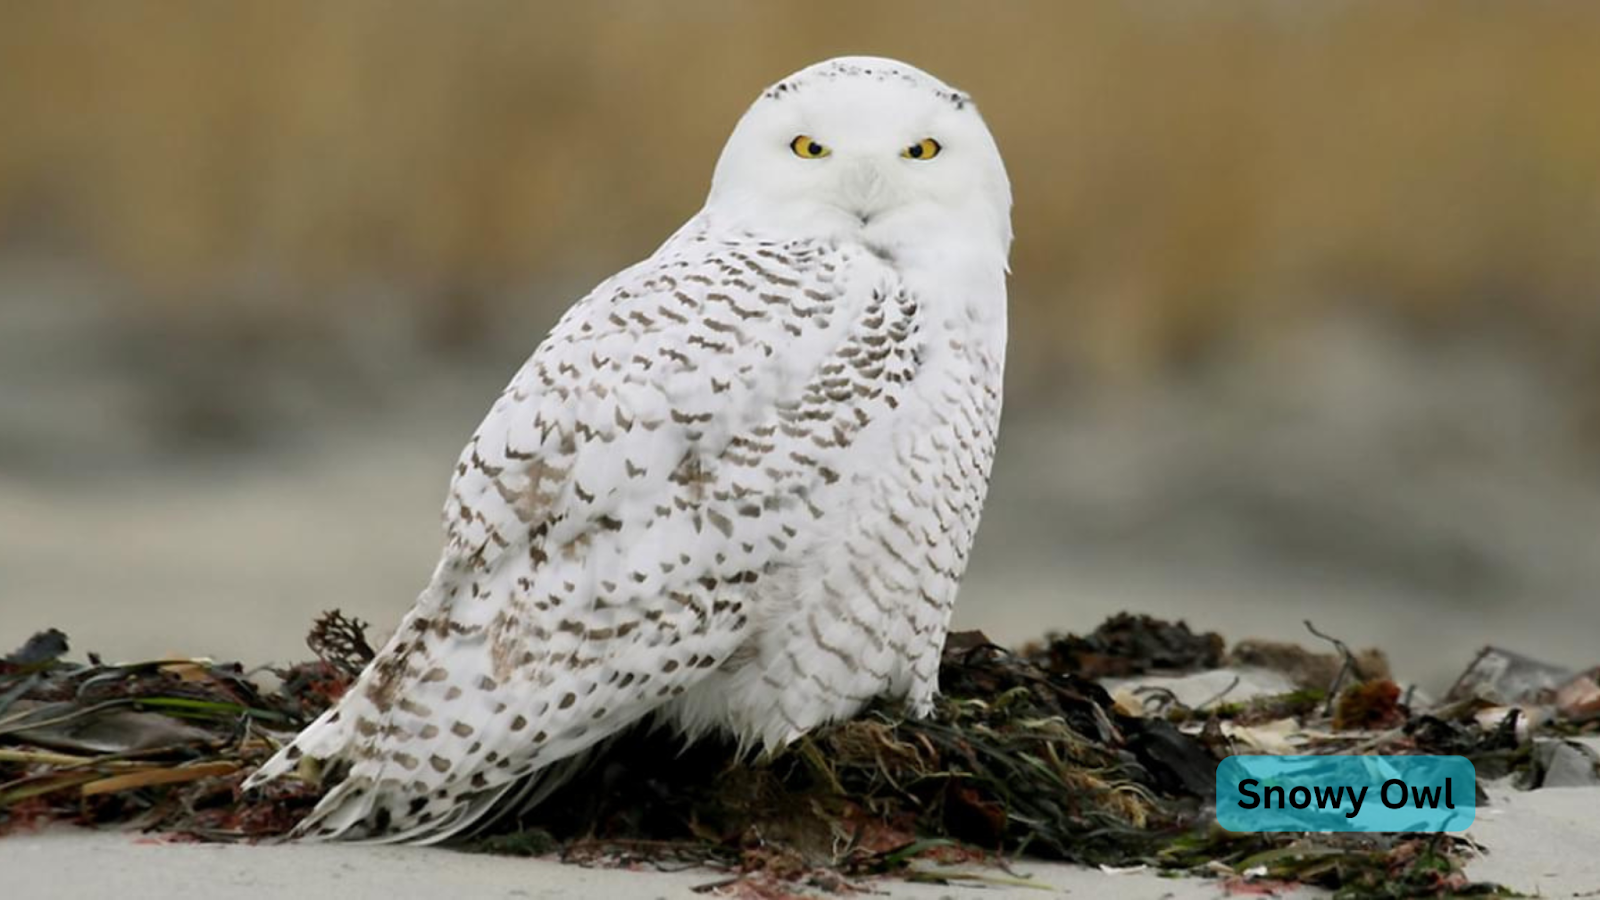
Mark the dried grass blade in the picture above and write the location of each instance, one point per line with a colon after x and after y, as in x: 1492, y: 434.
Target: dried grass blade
x: 151, y: 777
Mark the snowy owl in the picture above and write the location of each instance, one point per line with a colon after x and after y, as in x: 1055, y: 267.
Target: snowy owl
x: 734, y: 489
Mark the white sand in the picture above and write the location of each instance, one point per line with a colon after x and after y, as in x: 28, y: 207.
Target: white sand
x: 71, y: 863
x: 1541, y: 842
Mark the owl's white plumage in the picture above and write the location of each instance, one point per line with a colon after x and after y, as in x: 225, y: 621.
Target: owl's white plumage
x: 735, y: 487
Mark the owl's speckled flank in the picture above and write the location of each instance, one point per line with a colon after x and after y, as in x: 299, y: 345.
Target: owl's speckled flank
x: 736, y: 486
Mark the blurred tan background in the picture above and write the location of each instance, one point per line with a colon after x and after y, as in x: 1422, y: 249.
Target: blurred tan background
x: 1306, y: 297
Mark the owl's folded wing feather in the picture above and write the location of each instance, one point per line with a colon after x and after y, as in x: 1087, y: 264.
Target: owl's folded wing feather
x: 612, y: 522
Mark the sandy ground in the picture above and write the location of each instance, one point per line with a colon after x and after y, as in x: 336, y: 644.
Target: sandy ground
x: 51, y: 865
x: 1541, y: 843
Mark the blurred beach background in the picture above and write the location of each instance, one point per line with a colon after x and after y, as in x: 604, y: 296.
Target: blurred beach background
x: 1305, y: 297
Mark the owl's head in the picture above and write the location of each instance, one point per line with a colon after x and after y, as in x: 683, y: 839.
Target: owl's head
x: 867, y: 145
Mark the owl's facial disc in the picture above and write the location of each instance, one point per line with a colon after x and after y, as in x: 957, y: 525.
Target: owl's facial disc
x: 866, y: 182
x: 859, y: 143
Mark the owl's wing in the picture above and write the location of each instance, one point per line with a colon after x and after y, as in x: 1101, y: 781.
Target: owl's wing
x: 661, y: 459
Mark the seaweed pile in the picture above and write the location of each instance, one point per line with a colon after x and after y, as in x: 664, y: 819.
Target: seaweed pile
x: 159, y: 745
x: 1025, y: 754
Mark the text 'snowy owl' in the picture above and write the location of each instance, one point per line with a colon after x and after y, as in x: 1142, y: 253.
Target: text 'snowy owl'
x: 734, y: 489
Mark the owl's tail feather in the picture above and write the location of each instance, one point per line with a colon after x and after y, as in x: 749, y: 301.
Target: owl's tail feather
x: 360, y: 810
x: 357, y: 812
x: 433, y: 740
x: 322, y: 739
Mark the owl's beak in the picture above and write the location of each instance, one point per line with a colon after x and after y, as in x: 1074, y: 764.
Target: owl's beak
x: 865, y: 189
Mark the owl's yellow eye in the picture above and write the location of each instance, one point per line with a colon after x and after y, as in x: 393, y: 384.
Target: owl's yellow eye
x: 807, y: 148
x: 927, y: 148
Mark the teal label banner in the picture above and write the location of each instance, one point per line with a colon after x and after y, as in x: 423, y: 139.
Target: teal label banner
x: 1346, y: 793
